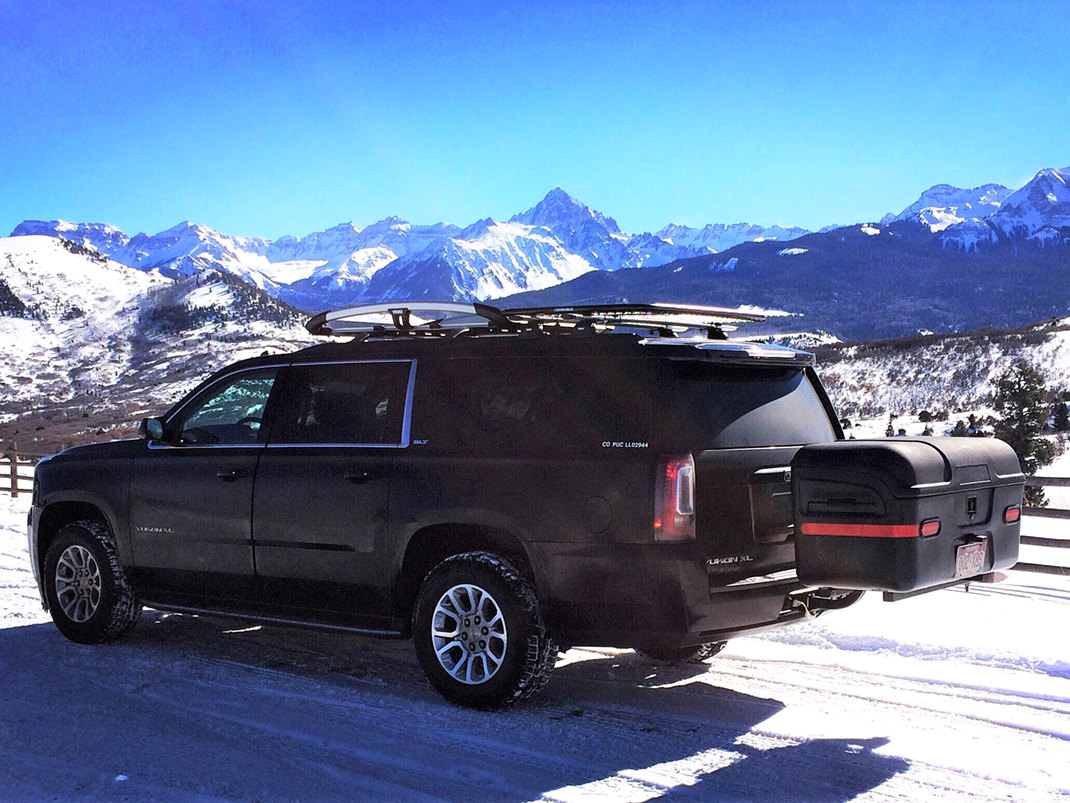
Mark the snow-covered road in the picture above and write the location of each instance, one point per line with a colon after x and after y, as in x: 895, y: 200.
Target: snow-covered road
x: 951, y: 696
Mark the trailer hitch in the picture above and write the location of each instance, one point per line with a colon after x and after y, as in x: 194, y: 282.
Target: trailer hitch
x: 815, y: 601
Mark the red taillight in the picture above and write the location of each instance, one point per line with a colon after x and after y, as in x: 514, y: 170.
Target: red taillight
x: 674, y: 499
x: 1012, y: 515
x: 930, y: 527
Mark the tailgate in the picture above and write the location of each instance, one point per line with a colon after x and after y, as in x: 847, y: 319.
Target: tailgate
x: 744, y: 509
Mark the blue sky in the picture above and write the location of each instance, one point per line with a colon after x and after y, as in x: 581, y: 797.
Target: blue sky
x: 264, y: 119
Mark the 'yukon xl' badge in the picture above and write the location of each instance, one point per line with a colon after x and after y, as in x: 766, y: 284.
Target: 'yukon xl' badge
x: 730, y: 561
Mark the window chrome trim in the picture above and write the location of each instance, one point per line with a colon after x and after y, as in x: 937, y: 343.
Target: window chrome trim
x: 406, y: 421
x: 187, y: 447
x: 333, y: 446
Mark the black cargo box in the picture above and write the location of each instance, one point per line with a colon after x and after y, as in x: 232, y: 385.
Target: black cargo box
x: 905, y: 514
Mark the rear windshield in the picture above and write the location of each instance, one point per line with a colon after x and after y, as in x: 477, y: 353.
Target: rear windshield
x: 713, y: 406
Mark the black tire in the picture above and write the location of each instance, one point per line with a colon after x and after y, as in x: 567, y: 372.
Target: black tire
x: 88, y: 595
x: 479, y: 634
x: 684, y: 655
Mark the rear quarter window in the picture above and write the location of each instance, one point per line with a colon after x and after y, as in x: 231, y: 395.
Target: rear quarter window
x: 535, y: 406
x: 711, y: 406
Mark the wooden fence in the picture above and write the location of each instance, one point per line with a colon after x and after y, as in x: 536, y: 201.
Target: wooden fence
x: 1062, y: 541
x: 16, y: 473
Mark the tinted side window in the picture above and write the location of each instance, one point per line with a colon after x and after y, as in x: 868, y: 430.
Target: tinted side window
x: 522, y: 406
x: 713, y: 406
x: 231, y: 412
x: 343, y: 403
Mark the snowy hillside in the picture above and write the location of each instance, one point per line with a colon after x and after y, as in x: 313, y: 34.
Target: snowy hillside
x: 949, y: 373
x: 70, y: 310
x: 86, y: 339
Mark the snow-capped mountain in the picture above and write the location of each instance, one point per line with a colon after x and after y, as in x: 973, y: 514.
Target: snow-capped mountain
x: 943, y: 205
x: 488, y: 260
x: 561, y: 241
x: 182, y: 250
x: 1039, y: 208
x: 1038, y: 214
x: 334, y: 267
x: 556, y: 240
x: 910, y: 274
x: 580, y: 229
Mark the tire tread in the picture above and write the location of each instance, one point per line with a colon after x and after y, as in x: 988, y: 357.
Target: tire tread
x: 125, y: 608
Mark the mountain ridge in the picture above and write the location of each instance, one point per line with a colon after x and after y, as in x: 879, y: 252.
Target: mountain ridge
x: 944, y: 262
x: 337, y: 266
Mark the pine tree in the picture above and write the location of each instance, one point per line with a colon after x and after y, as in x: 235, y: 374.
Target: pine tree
x: 1019, y: 398
x: 1062, y: 417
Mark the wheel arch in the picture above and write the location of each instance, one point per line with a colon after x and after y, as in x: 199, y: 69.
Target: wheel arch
x: 432, y: 544
x: 58, y: 515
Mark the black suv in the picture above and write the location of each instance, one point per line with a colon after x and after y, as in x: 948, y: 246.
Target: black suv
x: 492, y: 483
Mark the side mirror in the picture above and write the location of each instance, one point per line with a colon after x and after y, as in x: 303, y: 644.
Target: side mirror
x: 152, y: 428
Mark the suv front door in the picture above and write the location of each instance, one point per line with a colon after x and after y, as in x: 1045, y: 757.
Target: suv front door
x: 321, y: 499
x: 191, y: 495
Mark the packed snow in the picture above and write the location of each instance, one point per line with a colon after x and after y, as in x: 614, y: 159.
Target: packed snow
x: 955, y: 695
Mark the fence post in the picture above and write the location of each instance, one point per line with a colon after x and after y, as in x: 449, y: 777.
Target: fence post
x: 13, y: 461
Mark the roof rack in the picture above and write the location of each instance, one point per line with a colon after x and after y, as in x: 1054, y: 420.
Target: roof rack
x: 415, y: 318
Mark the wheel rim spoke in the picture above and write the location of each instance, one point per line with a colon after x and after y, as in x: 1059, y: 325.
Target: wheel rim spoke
x: 445, y: 648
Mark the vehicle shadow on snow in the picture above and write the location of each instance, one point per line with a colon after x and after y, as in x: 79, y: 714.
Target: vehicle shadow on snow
x: 604, y: 721
x: 666, y: 695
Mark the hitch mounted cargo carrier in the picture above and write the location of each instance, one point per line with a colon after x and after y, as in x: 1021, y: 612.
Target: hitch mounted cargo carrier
x: 905, y: 515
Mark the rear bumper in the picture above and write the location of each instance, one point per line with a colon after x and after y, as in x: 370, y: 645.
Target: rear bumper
x: 658, y: 595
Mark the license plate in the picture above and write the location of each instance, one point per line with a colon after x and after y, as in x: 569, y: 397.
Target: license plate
x: 970, y: 559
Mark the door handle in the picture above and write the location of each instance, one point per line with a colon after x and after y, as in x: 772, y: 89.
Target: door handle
x: 229, y: 475
x: 361, y: 477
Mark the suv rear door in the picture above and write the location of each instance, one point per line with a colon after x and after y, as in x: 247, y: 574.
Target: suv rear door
x: 322, y: 486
